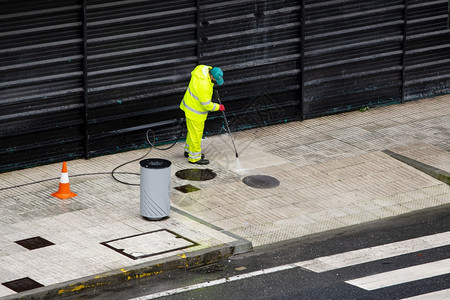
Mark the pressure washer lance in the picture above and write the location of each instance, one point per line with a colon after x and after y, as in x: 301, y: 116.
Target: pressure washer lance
x: 226, y: 123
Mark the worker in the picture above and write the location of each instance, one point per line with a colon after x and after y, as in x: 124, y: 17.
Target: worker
x: 196, y: 104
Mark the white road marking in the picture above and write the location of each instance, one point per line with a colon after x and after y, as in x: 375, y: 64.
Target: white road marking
x: 442, y: 294
x: 216, y: 282
x: 404, y: 275
x: 341, y: 260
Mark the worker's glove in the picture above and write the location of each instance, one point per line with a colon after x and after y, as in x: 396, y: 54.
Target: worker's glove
x: 221, y: 107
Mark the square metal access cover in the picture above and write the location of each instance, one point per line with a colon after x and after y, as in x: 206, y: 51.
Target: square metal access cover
x: 150, y: 244
x: 22, y: 284
x: 34, y: 243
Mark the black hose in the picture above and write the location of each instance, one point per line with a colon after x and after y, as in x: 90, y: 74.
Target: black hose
x: 56, y: 178
x: 152, y: 145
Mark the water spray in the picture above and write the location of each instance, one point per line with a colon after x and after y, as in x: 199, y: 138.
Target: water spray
x: 226, y: 123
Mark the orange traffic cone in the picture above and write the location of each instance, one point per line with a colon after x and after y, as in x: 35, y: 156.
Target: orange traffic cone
x: 64, y: 185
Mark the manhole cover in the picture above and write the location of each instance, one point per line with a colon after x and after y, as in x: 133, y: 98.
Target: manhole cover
x: 196, y: 174
x: 261, y: 181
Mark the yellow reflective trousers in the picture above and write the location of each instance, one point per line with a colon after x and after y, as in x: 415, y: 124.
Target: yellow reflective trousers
x: 194, y: 139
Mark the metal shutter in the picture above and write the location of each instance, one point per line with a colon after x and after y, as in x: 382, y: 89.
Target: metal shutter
x: 41, y: 86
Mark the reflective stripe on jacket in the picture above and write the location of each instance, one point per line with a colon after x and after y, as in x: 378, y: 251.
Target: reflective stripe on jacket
x: 197, y: 102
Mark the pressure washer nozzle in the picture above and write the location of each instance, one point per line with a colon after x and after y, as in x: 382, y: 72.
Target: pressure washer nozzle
x: 237, y: 155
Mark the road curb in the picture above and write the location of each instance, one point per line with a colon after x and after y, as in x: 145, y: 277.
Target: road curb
x: 182, y: 261
x: 240, y: 245
x: 436, y: 173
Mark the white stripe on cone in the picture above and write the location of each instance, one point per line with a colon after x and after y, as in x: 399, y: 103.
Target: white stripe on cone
x: 64, y: 178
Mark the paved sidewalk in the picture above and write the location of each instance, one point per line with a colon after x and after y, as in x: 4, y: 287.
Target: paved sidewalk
x: 333, y: 171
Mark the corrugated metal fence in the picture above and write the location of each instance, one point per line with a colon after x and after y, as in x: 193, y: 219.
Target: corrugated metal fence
x: 85, y: 78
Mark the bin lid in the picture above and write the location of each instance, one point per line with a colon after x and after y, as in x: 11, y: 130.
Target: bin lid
x: 155, y: 163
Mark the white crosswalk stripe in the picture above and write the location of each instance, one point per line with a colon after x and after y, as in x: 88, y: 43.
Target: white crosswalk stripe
x: 404, y: 275
x: 443, y: 294
x: 395, y: 277
x: 351, y: 258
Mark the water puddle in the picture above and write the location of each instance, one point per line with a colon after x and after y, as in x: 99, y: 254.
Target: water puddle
x: 196, y: 174
x: 188, y: 188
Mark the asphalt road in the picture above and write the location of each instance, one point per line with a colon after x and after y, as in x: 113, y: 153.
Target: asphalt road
x: 393, y: 258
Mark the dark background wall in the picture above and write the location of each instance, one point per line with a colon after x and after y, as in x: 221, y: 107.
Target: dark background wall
x: 86, y: 78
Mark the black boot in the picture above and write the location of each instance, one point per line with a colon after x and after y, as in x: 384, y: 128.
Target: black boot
x: 200, y: 162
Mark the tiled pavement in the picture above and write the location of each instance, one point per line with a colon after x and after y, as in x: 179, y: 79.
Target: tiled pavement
x: 332, y: 171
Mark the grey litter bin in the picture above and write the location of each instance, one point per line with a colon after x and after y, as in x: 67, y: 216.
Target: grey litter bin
x: 155, y: 188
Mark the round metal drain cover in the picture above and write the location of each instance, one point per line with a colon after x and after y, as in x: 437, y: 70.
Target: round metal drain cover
x: 196, y: 174
x: 261, y: 181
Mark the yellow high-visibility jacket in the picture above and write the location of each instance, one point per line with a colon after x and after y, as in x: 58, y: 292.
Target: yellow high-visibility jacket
x: 197, y: 102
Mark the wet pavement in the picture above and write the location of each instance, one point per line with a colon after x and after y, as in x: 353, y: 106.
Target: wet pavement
x: 309, y: 176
